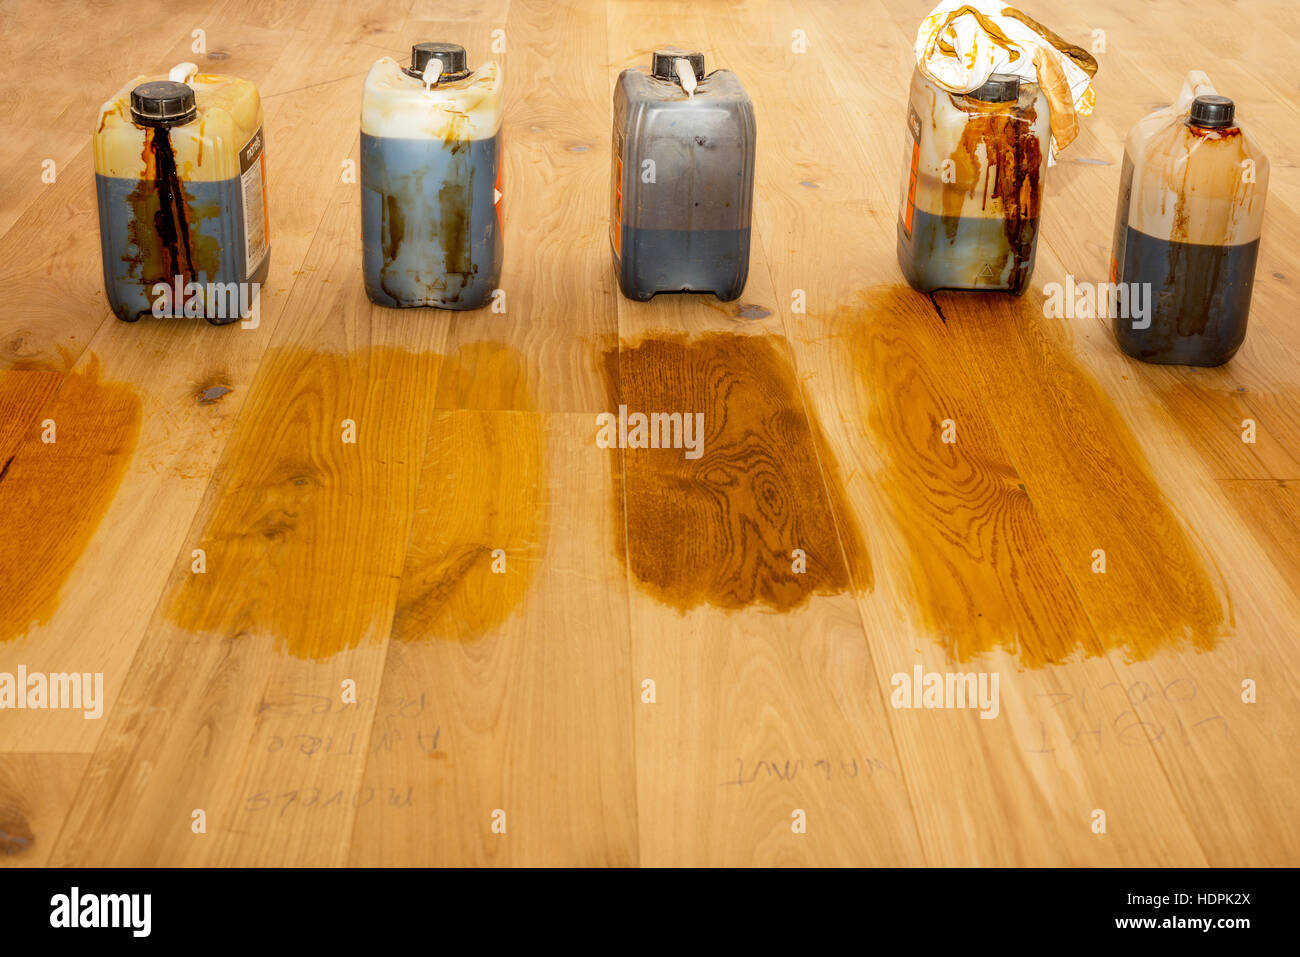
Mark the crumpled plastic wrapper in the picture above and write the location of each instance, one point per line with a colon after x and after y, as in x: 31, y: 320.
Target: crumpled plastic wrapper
x: 963, y: 42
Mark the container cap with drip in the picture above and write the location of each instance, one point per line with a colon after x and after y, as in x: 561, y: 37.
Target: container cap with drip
x: 163, y: 103
x: 455, y: 61
x: 998, y: 88
x: 1212, y: 111
x: 662, y: 64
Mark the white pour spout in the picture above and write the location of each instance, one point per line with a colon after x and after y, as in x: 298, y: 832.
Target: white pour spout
x: 685, y: 76
x: 432, y: 71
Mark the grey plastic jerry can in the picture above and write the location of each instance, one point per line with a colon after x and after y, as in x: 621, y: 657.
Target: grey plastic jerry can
x: 682, y: 183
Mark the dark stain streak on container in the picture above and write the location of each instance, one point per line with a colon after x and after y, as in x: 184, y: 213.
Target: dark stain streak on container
x: 180, y: 178
x: 972, y: 185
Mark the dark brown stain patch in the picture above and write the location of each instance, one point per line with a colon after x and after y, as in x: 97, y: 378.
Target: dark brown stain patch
x: 54, y: 495
x: 721, y: 529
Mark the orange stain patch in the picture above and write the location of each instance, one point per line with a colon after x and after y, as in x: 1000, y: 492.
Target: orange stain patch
x: 982, y: 570
x: 723, y: 528
x: 53, y: 495
x: 984, y: 545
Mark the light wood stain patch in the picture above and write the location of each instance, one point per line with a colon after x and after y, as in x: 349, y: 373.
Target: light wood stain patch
x: 315, y: 541
x: 305, y: 533
x: 54, y: 495
x: 722, y: 529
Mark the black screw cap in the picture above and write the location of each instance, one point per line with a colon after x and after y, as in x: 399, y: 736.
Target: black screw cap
x: 1212, y: 111
x: 455, y: 61
x: 662, y: 67
x: 162, y: 103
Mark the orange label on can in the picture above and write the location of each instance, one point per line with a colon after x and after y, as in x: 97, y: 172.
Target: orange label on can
x: 618, y: 206
x: 911, y: 188
x: 909, y: 209
x: 496, y: 187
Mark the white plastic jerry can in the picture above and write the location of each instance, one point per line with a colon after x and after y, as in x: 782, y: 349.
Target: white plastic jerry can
x: 431, y: 180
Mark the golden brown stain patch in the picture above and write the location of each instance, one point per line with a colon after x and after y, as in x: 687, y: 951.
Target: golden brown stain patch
x: 1087, y: 477
x: 304, y: 533
x: 314, y: 541
x: 481, y: 519
x: 721, y: 529
x: 54, y: 495
x: 982, y: 570
x: 486, y: 375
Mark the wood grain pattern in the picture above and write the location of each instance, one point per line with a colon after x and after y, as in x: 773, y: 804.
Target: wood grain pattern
x: 725, y: 520
x: 984, y: 572
x: 314, y: 492
x: 646, y: 680
x: 480, y: 521
x: 1071, y: 446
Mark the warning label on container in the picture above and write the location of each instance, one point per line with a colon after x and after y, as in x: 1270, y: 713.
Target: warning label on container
x: 252, y: 175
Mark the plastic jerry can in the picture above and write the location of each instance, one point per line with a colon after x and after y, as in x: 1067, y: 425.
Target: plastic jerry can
x: 1191, y: 208
x: 682, y: 182
x: 181, y: 181
x: 431, y: 180
x: 972, y: 187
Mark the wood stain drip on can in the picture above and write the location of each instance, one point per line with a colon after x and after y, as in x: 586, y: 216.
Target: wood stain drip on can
x: 722, y: 529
